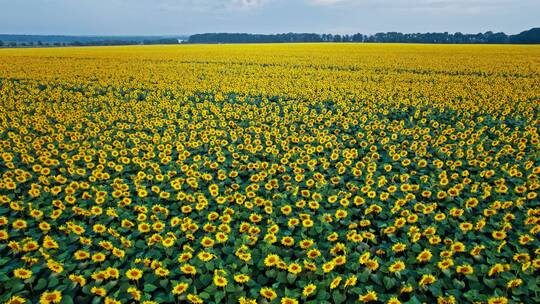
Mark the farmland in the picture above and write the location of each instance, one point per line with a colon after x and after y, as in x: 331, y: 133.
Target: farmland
x: 305, y: 173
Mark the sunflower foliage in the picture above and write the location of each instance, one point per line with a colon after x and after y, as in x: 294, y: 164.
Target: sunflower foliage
x: 306, y: 173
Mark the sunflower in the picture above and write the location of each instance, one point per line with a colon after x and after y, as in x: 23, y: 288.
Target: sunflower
x: 498, y: 300
x: 495, y: 269
x: 498, y: 235
x: 397, y: 266
x: 399, y: 247
x: 179, y: 288
x: 313, y: 253
x: 192, y: 298
x: 372, y: 264
x: 370, y: 296
x: 220, y: 281
x: 427, y: 279
x: 268, y: 293
x: 207, y: 242
x: 78, y: 279
x: 188, y: 269
x: 308, y: 290
x: 134, y: 274
x: 294, y: 268
x: 243, y: 300
x: 424, y: 256
x: 335, y: 282
x: 351, y: 281
x: 19, y: 224
x: 205, y: 256
x: 99, y: 291
x: 287, y: 300
x: 162, y: 272
x: 445, y: 264
x: 81, y: 255
x: 465, y: 269
x: 446, y: 300
x: 22, y: 273
x: 50, y: 297
x: 16, y: 300
x: 393, y: 300
x: 241, y: 278
x: 271, y: 260
x: 514, y: 283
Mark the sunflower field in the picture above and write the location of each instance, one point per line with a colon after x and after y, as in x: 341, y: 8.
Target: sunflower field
x: 290, y: 173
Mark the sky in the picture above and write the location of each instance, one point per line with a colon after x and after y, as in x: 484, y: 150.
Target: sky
x: 184, y: 17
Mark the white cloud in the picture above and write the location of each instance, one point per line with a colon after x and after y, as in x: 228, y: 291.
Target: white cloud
x: 413, y: 3
x: 203, y: 6
x: 326, y: 2
x: 246, y: 3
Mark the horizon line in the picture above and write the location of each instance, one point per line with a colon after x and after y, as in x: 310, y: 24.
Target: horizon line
x: 250, y: 33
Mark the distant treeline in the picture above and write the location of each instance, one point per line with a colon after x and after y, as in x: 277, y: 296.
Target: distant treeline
x: 125, y: 42
x: 531, y: 36
x: 55, y: 40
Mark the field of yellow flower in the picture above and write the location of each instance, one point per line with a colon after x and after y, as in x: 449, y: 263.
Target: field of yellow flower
x: 305, y: 173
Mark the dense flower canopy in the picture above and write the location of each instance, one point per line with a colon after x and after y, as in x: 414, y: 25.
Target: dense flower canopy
x: 304, y: 173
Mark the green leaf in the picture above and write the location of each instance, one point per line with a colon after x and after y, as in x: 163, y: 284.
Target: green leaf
x: 164, y: 283
x: 261, y: 279
x: 219, y: 295
x: 490, y: 283
x: 140, y: 244
x: 282, y: 278
x: 458, y: 284
x: 206, y: 279
x: 435, y: 289
x: 471, y: 295
x: 230, y: 288
x: 322, y: 295
x: 338, y: 297
x: 291, y: 278
x: 53, y: 282
x: 517, y: 291
x: 67, y: 299
x: 4, y: 277
x: 204, y: 295
x: 149, y: 287
x: 533, y: 285
x: 376, y: 278
x: 364, y: 276
x: 388, y: 282
x: 41, y: 284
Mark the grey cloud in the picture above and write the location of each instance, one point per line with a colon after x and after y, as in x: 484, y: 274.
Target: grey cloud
x: 264, y: 16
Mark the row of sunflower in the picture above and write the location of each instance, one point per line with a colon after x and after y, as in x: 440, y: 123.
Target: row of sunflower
x: 307, y: 173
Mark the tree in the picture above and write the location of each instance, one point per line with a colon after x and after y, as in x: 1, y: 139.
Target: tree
x: 531, y: 36
x: 357, y: 37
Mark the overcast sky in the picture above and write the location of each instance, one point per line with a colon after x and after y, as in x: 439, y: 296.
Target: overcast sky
x: 159, y: 17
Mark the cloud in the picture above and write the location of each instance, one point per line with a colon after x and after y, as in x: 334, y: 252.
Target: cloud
x: 206, y: 6
x: 327, y: 2
x: 264, y: 16
x: 246, y: 4
x: 413, y: 4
